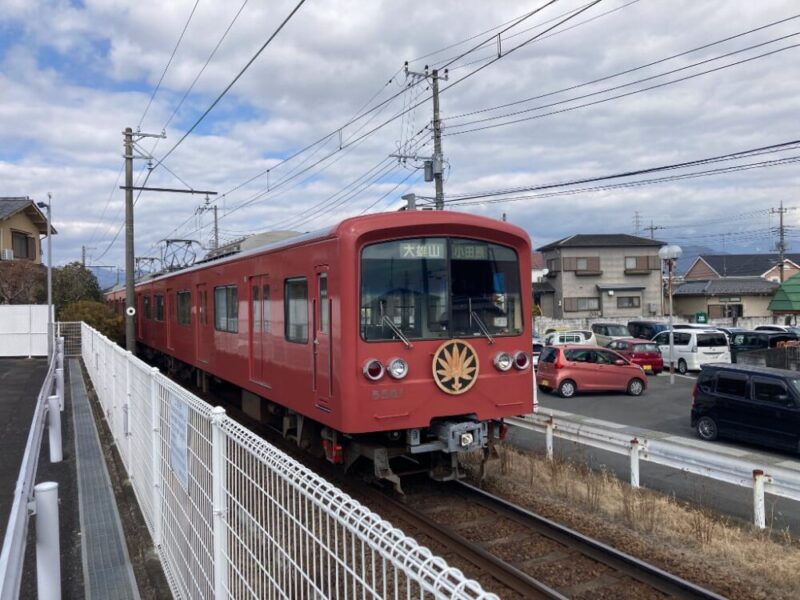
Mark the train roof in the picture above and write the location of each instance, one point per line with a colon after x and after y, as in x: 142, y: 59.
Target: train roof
x: 356, y: 226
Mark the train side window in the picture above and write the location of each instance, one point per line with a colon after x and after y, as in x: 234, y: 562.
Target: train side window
x: 295, y: 308
x: 184, y: 307
x: 265, y: 313
x: 324, y: 308
x: 147, y: 313
x: 226, y: 308
x: 159, y: 307
x: 256, y: 308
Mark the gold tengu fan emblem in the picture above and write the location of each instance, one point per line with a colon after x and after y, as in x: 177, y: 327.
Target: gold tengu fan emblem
x: 455, y: 367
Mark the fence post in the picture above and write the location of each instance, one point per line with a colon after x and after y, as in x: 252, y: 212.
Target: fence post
x: 60, y: 352
x: 60, y: 388
x: 635, y: 463
x: 155, y: 425
x: 48, y: 556
x: 549, y: 438
x: 54, y: 429
x: 218, y: 481
x: 759, y: 514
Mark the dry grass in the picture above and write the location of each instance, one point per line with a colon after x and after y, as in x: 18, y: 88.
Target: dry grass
x: 689, y: 540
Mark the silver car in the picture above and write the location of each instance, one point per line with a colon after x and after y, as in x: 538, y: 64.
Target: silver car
x: 608, y: 332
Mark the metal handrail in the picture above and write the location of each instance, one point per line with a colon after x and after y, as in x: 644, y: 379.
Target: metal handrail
x: 692, y: 456
x: 13, y: 552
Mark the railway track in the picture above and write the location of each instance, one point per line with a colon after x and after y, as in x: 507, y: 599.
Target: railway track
x: 526, y: 555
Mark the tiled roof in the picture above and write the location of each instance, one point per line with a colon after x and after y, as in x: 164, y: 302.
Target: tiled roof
x: 601, y: 240
x: 727, y: 286
x: 543, y: 287
x: 537, y: 260
x: 745, y: 265
x: 10, y: 206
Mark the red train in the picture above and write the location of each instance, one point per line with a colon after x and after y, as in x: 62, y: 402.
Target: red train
x: 395, y: 334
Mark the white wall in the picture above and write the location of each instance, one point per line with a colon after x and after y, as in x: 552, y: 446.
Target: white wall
x: 23, y: 330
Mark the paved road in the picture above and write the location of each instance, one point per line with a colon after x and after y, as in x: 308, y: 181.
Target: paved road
x: 664, y: 408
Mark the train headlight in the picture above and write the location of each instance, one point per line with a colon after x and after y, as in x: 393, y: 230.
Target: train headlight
x: 398, y: 368
x: 521, y: 360
x: 373, y: 369
x: 503, y: 361
x: 466, y: 439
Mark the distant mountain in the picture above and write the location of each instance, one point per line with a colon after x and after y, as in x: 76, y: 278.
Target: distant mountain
x: 107, y: 278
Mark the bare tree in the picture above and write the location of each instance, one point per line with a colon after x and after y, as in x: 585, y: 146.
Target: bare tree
x: 21, y: 282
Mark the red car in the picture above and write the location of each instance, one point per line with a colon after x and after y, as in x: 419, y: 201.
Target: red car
x: 641, y: 352
x: 573, y: 368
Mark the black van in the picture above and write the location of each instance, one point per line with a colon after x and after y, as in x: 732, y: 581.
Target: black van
x: 748, y: 403
x: 747, y: 341
x: 646, y: 330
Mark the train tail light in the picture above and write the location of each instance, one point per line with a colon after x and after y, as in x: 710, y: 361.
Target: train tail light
x: 521, y: 360
x: 373, y: 369
x: 397, y: 368
x: 503, y: 361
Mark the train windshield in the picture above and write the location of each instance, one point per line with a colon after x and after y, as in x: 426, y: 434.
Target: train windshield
x: 433, y: 288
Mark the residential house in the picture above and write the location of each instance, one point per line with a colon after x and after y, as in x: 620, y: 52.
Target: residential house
x: 732, y: 285
x: 538, y: 267
x: 601, y: 275
x: 21, y: 226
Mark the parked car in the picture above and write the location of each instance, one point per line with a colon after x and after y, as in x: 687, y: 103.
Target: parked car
x: 606, y: 332
x: 692, y: 326
x: 752, y: 404
x: 779, y: 329
x: 646, y: 330
x: 580, y: 336
x: 747, y: 341
x: 576, y: 368
x: 640, y: 352
x: 731, y: 331
x: 538, y: 346
x: 694, y: 348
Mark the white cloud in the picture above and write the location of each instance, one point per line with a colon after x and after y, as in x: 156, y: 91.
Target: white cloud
x: 72, y: 76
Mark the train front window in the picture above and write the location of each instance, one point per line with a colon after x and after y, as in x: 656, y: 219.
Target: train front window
x: 433, y: 288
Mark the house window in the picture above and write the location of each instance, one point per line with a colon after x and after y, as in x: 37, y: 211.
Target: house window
x: 184, y: 305
x: 581, y: 264
x: 159, y: 307
x: 23, y: 245
x: 630, y: 263
x: 296, y: 310
x: 585, y: 264
x: 579, y: 304
x: 226, y: 308
x: 629, y: 301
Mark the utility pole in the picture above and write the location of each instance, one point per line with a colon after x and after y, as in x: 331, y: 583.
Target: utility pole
x: 204, y: 208
x: 782, y: 239
x: 637, y: 222
x: 434, y: 165
x: 652, y: 229
x: 130, y: 301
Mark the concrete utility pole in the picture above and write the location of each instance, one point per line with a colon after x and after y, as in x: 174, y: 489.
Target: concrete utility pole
x: 130, y: 301
x: 781, y: 233
x: 434, y: 166
x: 652, y: 229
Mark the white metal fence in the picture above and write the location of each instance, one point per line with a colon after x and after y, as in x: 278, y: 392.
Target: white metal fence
x: 23, y: 330
x: 692, y: 456
x: 13, y: 551
x: 232, y: 516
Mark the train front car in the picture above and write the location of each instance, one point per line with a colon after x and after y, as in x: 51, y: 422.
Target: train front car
x: 440, y: 340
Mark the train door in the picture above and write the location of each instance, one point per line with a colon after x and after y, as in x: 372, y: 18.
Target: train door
x: 323, y: 358
x: 203, y: 335
x: 169, y: 317
x: 259, y: 328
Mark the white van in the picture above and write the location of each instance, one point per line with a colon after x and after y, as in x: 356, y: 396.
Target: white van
x: 694, y: 348
x: 581, y: 336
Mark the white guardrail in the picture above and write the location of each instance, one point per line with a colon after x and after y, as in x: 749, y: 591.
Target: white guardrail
x: 233, y: 517
x: 41, y: 499
x: 692, y: 456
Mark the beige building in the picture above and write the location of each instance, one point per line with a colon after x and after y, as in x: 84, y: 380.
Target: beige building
x: 732, y: 285
x: 602, y: 275
x: 22, y: 225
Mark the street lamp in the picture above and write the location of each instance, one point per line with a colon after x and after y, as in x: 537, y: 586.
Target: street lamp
x: 670, y: 254
x: 49, y: 277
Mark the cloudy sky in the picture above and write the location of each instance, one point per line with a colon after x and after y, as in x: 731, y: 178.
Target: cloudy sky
x: 303, y: 138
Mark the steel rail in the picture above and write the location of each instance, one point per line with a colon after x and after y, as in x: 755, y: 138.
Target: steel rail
x: 637, y: 569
